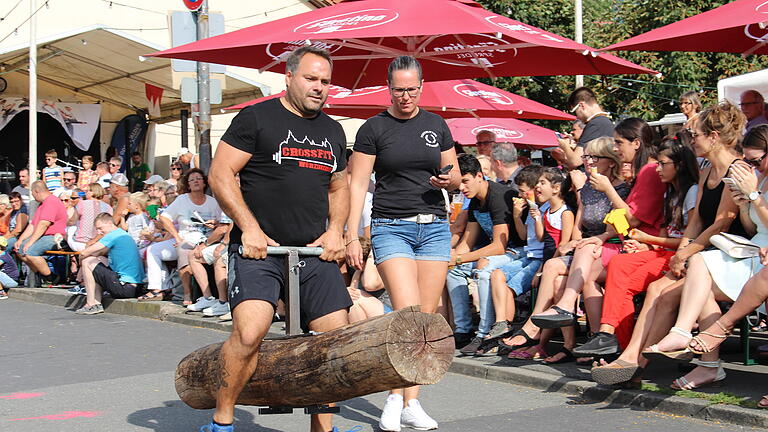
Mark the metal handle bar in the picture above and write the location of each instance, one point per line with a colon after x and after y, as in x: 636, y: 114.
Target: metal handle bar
x: 285, y: 250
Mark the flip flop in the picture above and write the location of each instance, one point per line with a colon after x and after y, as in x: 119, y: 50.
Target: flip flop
x: 524, y: 354
x: 562, y: 318
x: 153, y: 296
x: 568, y: 358
x: 615, y: 373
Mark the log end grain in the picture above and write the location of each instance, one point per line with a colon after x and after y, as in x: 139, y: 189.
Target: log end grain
x: 420, y: 346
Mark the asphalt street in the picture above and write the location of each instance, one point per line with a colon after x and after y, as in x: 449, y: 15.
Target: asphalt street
x: 62, y: 372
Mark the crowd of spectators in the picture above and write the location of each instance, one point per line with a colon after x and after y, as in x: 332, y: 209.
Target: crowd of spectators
x: 119, y: 237
x: 675, y: 193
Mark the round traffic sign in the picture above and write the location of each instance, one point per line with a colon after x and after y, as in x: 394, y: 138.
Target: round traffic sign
x: 193, y: 5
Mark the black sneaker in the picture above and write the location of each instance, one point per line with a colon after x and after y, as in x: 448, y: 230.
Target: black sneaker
x: 471, y: 348
x: 462, y: 339
x: 50, y: 279
x: 600, y: 344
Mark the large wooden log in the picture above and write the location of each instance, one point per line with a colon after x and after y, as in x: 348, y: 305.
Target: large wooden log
x: 400, y: 349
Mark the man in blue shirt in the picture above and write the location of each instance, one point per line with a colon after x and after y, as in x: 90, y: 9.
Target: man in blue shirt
x: 113, y: 264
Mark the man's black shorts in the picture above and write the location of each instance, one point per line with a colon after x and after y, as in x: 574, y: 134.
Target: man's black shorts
x: 321, y: 286
x: 108, y: 280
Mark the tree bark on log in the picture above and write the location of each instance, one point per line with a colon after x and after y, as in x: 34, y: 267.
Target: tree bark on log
x: 396, y: 350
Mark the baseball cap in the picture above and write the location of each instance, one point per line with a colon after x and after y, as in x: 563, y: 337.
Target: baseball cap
x: 153, y: 179
x: 183, y: 151
x: 119, y: 179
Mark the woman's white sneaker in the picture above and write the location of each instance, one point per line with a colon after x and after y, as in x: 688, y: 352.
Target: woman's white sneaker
x: 391, y: 414
x: 413, y: 416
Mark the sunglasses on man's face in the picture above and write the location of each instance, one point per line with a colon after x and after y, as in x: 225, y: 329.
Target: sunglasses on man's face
x: 175, y: 169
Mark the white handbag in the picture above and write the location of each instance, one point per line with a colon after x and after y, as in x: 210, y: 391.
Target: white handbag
x: 734, y: 245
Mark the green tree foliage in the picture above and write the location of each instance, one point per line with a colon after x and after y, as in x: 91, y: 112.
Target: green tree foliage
x: 606, y: 22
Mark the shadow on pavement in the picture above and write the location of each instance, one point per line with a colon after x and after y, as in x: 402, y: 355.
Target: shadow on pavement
x: 175, y: 416
x: 356, y: 409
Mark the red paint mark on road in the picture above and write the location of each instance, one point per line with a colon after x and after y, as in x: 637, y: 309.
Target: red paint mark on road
x: 66, y: 415
x: 21, y: 396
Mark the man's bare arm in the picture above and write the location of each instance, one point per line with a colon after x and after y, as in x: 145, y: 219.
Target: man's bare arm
x: 96, y: 249
x: 225, y: 165
x: 338, y: 201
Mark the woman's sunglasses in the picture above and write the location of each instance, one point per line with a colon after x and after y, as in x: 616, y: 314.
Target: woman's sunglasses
x: 756, y: 162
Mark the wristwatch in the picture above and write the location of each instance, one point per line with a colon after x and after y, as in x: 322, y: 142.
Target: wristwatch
x: 754, y: 195
x: 458, y: 260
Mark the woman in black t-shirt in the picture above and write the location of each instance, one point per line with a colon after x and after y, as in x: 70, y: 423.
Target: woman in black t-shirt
x: 406, y: 147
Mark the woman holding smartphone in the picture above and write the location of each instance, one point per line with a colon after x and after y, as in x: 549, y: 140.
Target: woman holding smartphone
x: 410, y: 150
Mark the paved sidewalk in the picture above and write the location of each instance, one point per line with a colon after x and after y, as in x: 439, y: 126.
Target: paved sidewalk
x: 743, y: 381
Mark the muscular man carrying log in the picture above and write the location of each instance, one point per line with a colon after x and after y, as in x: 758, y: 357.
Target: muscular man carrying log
x: 290, y: 157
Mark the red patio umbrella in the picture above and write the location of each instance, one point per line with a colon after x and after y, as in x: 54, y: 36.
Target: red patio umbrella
x: 450, y: 99
x: 522, y: 134
x: 452, y: 39
x: 737, y: 27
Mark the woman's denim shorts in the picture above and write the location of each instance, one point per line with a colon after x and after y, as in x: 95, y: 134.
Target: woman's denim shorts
x: 396, y: 238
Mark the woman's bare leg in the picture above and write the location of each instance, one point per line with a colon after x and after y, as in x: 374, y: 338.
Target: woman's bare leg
x: 581, y: 267
x: 697, y: 289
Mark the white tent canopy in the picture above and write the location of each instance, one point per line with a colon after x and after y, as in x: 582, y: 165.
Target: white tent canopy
x: 732, y: 88
x: 96, y: 64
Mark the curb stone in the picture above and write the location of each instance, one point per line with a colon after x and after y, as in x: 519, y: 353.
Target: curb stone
x: 689, y: 407
x: 676, y: 405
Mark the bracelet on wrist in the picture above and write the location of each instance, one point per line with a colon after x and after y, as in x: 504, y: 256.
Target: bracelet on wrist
x: 351, y: 241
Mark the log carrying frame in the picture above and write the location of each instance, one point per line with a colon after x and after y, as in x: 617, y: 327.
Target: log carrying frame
x: 293, y: 265
x: 292, y: 295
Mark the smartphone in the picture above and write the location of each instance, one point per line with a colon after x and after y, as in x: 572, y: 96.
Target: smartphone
x: 730, y: 182
x: 559, y: 135
x: 445, y: 170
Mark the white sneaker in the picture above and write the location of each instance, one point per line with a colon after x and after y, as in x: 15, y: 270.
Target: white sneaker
x: 413, y: 416
x: 216, y: 310
x: 390, y: 415
x: 202, y: 303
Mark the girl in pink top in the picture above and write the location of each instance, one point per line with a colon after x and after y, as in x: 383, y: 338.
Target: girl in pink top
x: 87, y: 175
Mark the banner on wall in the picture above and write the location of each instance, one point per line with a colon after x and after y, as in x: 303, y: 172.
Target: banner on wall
x: 127, y: 136
x: 80, y: 121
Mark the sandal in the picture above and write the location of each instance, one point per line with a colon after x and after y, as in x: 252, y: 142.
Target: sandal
x: 615, y: 373
x: 562, y: 318
x: 153, y: 296
x: 567, y: 358
x: 683, y: 383
x: 653, y: 352
x: 703, y: 345
x: 525, y: 354
x: 763, y: 403
x: 529, y: 341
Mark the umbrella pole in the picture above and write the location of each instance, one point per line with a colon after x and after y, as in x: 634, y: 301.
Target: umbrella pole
x: 32, y: 92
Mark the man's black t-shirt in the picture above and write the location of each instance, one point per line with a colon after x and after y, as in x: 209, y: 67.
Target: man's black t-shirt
x: 599, y: 126
x: 496, y: 210
x: 285, y: 183
x: 407, y: 155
